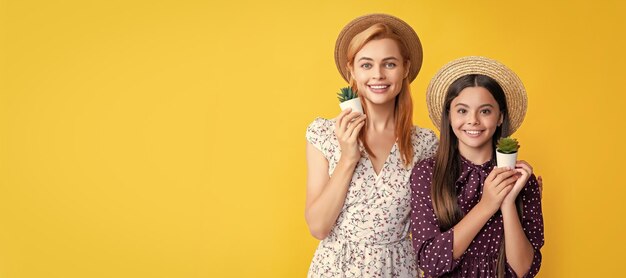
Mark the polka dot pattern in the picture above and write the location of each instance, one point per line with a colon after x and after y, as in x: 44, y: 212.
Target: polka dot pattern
x: 434, y: 247
x: 371, y: 235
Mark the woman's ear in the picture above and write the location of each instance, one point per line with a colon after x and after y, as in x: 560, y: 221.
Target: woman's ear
x: 407, y: 68
x: 501, y: 119
x: 350, y: 71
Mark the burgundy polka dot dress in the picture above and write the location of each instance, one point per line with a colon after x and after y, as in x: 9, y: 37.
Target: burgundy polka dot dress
x: 371, y: 235
x: 434, y: 247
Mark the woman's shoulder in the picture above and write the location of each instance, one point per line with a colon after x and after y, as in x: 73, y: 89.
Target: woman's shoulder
x: 423, y: 133
x: 321, y: 126
x: 425, y: 142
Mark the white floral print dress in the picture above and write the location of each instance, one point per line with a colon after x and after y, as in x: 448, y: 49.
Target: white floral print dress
x: 371, y: 235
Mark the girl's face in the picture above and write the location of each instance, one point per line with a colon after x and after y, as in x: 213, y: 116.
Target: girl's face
x: 474, y: 117
x: 378, y: 70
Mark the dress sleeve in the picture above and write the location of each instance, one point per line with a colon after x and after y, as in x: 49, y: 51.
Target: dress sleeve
x: 432, y: 143
x: 316, y: 134
x: 425, y: 144
x: 432, y: 247
x: 532, y: 223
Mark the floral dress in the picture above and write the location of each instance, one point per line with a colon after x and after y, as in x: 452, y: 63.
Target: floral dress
x: 371, y: 235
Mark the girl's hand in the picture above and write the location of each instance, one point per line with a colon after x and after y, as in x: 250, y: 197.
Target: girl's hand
x: 347, y: 127
x: 524, y: 171
x: 497, y: 186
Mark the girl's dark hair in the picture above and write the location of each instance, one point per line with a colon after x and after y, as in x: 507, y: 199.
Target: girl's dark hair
x: 447, y: 161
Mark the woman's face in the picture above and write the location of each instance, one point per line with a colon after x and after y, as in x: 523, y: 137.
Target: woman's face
x: 378, y: 70
x: 474, y: 117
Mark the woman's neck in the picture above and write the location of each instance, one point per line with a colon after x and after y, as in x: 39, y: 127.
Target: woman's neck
x: 381, y: 118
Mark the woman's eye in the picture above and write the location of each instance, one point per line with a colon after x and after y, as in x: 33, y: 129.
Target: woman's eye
x: 461, y: 111
x: 485, y: 111
x: 366, y: 66
x: 390, y: 65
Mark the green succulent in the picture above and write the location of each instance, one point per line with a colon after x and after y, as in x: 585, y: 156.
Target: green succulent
x: 507, y: 145
x: 346, y: 94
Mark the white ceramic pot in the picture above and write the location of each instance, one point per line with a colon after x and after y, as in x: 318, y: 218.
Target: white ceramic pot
x: 506, y: 159
x: 354, y: 103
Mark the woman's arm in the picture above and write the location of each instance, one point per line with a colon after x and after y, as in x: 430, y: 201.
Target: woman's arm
x: 326, y: 195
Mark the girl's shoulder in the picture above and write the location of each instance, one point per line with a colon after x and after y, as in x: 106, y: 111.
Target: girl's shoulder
x: 422, y: 171
x: 424, y: 166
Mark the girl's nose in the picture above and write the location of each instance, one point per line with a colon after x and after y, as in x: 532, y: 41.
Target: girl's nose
x: 472, y: 119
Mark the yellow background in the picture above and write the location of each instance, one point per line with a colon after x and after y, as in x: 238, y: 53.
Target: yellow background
x: 166, y: 138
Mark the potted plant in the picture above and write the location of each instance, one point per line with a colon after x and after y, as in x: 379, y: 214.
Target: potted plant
x: 506, y: 152
x: 349, y: 99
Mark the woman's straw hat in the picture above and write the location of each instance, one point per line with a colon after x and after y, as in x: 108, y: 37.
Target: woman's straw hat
x: 359, y: 25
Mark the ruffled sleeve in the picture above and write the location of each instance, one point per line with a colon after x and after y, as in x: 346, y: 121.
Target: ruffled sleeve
x: 425, y: 144
x: 434, y: 249
x: 318, y: 133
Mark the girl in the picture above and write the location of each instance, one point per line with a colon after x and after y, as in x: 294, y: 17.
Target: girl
x: 358, y: 192
x: 468, y: 218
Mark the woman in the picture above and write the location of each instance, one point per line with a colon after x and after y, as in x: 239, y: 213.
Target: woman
x: 358, y: 193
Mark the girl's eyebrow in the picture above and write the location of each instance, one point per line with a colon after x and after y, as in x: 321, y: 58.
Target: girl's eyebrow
x: 484, y: 105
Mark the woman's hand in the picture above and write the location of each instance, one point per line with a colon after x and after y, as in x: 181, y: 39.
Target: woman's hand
x: 347, y: 127
x: 524, y: 171
x: 497, y: 186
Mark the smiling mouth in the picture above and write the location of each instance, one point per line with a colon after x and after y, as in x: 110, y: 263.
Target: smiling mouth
x: 378, y: 87
x: 473, y: 133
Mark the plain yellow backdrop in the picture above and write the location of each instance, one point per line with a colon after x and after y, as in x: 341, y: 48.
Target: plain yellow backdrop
x: 166, y: 138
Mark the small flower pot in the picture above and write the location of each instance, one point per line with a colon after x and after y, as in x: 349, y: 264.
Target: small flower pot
x: 506, y: 159
x: 354, y: 103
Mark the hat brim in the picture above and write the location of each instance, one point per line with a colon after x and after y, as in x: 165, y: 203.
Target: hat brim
x: 359, y: 25
x: 516, y: 100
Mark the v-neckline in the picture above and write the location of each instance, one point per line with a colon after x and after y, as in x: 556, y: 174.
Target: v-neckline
x: 379, y: 174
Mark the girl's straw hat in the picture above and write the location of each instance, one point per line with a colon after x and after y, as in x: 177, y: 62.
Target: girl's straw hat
x: 514, y: 91
x: 359, y: 25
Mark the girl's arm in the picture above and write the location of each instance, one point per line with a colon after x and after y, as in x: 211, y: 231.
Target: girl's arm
x: 440, y: 252
x: 524, y: 239
x: 325, y: 195
x: 519, y: 252
x: 497, y: 185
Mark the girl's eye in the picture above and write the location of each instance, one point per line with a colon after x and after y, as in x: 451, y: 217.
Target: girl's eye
x: 390, y: 65
x: 366, y: 66
x: 485, y: 111
x: 461, y: 111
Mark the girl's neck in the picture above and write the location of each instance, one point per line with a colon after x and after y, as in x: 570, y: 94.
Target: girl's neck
x: 381, y: 118
x: 478, y: 156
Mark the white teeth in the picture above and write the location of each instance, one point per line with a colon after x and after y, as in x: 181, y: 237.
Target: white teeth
x: 379, y: 86
x: 473, y: 132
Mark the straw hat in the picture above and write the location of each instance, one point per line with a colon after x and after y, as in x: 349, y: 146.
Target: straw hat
x: 514, y: 91
x: 359, y: 25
